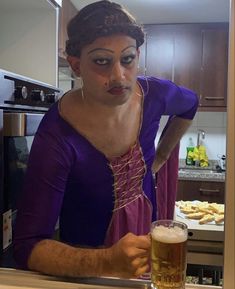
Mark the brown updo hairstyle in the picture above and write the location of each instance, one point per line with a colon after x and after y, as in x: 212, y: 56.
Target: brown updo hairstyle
x: 101, y: 18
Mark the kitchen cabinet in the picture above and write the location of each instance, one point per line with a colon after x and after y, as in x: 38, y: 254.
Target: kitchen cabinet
x: 187, y: 62
x: 191, y: 55
x: 213, y: 82
x: 159, y: 51
x: 67, y: 11
x: 142, y: 59
x: 210, y: 191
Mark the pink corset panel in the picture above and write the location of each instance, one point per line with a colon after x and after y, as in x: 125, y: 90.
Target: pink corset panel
x: 132, y: 209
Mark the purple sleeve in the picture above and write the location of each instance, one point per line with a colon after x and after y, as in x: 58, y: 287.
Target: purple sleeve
x: 40, y: 203
x: 180, y: 101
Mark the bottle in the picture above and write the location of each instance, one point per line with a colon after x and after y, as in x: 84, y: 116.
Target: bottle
x: 190, y: 148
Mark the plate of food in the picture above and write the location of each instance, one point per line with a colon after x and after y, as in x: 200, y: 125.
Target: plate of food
x: 201, y: 212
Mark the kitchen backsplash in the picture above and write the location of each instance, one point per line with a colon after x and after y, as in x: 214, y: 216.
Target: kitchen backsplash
x: 214, y: 125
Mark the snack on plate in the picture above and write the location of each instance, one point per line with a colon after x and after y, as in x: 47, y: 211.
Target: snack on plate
x: 217, y: 208
x: 188, y: 210
x: 196, y: 216
x: 206, y: 219
x: 219, y: 218
x: 204, y: 212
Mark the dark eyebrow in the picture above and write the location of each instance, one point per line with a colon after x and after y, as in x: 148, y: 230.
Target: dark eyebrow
x: 109, y: 50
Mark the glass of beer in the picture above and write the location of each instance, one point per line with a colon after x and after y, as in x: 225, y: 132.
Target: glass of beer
x: 168, y: 254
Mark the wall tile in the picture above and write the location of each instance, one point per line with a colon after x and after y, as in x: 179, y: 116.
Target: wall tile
x: 214, y: 125
x: 210, y: 119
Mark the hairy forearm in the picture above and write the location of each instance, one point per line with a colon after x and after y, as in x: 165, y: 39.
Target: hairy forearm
x: 56, y: 258
x: 128, y: 258
x: 176, y: 129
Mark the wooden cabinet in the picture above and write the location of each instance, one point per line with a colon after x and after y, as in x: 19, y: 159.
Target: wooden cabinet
x: 201, y: 190
x: 67, y: 11
x: 191, y: 55
x: 160, y: 51
x: 187, y: 60
x: 213, y: 80
x: 142, y: 59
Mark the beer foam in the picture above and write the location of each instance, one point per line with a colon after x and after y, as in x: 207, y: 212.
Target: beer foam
x: 169, y: 235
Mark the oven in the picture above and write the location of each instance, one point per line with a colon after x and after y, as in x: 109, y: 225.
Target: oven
x: 23, y: 103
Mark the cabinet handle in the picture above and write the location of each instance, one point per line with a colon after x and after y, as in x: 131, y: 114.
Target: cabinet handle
x: 214, y: 98
x: 208, y: 192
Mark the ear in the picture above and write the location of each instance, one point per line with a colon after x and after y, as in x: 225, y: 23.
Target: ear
x: 74, y: 62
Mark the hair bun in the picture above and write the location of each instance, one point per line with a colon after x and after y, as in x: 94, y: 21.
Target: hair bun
x: 102, y: 18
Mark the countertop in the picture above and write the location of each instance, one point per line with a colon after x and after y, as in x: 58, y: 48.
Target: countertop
x: 201, y: 175
x: 194, y: 173
x: 17, y: 279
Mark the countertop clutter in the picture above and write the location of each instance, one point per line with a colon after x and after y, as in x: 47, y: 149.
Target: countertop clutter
x: 209, y: 173
x: 16, y: 279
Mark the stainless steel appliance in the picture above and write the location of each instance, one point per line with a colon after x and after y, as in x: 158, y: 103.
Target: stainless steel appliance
x: 23, y: 103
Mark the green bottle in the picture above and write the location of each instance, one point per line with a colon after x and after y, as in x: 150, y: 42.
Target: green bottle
x: 190, y: 148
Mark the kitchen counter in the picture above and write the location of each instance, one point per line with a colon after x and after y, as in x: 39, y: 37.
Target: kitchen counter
x: 17, y: 279
x: 194, y: 173
x: 200, y: 174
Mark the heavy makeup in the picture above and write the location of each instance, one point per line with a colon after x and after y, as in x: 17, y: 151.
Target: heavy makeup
x: 108, y: 68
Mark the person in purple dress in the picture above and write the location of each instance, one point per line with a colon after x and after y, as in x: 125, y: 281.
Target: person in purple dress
x: 93, y: 157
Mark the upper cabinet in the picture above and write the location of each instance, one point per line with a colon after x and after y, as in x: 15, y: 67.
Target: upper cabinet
x: 191, y: 55
x: 28, y: 33
x: 213, y: 82
x: 160, y: 51
x: 67, y: 12
x: 187, y: 56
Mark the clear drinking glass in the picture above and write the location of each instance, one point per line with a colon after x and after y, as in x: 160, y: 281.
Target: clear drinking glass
x: 168, y: 254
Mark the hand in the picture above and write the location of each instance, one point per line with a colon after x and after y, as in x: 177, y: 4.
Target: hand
x: 129, y: 257
x: 157, y: 164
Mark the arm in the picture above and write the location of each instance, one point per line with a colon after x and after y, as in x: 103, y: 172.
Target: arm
x: 127, y: 259
x: 182, y: 104
x: 39, y: 208
x: 175, y: 130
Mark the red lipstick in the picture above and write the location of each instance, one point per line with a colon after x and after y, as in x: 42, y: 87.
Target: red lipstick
x: 117, y: 90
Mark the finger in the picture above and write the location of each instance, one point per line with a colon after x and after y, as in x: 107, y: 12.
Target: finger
x: 140, y: 262
x: 136, y: 253
x: 143, y: 242
x: 142, y: 270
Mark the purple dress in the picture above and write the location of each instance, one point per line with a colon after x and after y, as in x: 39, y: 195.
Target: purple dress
x: 97, y: 200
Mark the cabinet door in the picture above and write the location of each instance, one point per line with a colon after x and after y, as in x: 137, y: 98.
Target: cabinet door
x: 67, y: 11
x: 191, y: 55
x: 212, y: 192
x: 142, y: 59
x: 187, y: 56
x: 159, y: 51
x: 214, y: 66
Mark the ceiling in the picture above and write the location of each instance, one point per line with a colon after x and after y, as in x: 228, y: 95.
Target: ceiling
x: 172, y: 11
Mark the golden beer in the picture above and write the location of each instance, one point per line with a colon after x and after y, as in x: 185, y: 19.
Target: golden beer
x: 168, y: 255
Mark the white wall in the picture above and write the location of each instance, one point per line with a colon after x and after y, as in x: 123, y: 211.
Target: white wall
x: 214, y: 125
x: 28, y: 39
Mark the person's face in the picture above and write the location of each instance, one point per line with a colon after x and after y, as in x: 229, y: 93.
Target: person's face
x: 108, y: 67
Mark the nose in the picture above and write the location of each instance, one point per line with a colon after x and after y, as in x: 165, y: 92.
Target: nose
x: 117, y: 73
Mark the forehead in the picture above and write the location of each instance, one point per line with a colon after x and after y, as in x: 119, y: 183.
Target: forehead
x: 115, y: 43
